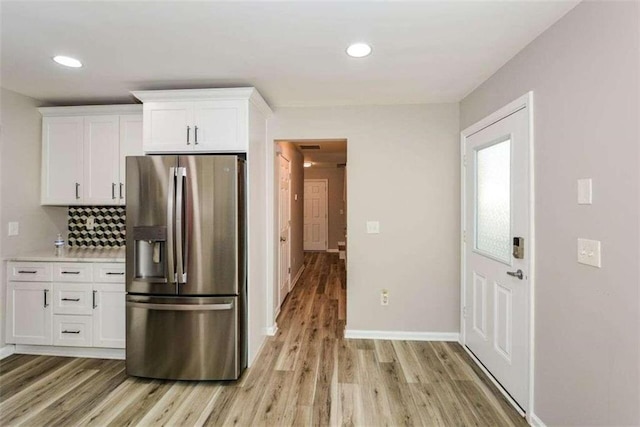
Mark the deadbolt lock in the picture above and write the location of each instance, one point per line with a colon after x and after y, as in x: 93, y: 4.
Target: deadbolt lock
x: 518, y: 247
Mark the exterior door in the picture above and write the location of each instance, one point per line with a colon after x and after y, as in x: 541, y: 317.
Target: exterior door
x: 496, y: 278
x: 285, y: 223
x: 315, y: 215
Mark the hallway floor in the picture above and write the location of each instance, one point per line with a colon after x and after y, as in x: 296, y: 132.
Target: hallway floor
x: 306, y: 375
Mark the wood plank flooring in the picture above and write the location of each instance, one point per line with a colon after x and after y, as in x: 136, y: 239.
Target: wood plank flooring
x: 306, y: 375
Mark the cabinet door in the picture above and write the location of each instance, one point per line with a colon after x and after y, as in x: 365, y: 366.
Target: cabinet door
x: 29, y: 314
x: 109, y: 315
x: 130, y: 145
x: 168, y: 127
x: 101, y: 159
x: 221, y: 126
x: 62, y: 139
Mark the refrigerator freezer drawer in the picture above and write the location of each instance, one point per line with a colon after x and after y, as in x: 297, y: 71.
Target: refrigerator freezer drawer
x: 186, y: 338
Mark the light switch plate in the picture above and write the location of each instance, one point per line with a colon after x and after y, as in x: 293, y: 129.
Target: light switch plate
x: 589, y: 252
x: 373, y: 227
x: 13, y: 229
x: 585, y: 191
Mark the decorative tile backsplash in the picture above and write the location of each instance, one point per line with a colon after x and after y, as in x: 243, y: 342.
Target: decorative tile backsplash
x: 108, y: 229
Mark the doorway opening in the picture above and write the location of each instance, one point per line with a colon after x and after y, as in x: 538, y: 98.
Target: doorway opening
x: 311, y: 217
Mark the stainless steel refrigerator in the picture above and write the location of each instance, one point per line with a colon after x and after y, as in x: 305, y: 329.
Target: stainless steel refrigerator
x: 186, y: 267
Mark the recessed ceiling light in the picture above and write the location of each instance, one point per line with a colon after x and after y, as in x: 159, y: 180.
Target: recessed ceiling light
x: 359, y: 50
x: 67, y: 61
x: 307, y: 164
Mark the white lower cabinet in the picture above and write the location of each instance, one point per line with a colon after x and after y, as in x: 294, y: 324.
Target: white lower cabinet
x: 73, y: 307
x: 29, y: 313
x: 109, y: 315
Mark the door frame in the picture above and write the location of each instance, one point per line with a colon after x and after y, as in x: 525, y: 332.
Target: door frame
x: 280, y: 157
x: 326, y: 208
x: 525, y: 101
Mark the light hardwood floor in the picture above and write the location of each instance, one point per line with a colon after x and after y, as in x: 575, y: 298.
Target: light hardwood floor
x: 306, y: 375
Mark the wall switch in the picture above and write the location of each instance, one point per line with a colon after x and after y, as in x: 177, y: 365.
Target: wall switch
x: 13, y: 229
x: 585, y: 191
x: 384, y: 297
x: 589, y: 252
x: 90, y: 224
x: 373, y: 227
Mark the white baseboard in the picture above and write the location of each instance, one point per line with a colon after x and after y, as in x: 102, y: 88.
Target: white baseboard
x: 272, y: 330
x: 7, y: 351
x: 46, y: 350
x: 536, y: 422
x: 401, y: 335
x: 333, y: 251
x: 295, y: 279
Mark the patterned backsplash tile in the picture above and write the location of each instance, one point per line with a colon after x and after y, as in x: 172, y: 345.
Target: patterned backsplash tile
x: 108, y: 230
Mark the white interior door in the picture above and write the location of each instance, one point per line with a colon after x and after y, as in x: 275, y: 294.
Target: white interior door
x: 497, y: 212
x: 285, y: 224
x: 315, y: 215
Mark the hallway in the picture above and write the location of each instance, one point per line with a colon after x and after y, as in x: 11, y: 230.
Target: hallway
x: 306, y: 375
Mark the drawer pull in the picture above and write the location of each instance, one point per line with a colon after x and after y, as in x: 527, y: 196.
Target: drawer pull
x: 70, y: 332
x: 94, y: 299
x: 111, y: 273
x: 71, y: 299
x: 70, y: 272
x: 27, y: 272
x: 46, y: 292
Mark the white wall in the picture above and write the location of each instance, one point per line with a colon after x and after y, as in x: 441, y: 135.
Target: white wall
x: 20, y: 157
x: 584, y: 72
x: 404, y: 172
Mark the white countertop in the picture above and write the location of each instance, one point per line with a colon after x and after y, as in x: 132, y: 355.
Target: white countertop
x: 74, y: 255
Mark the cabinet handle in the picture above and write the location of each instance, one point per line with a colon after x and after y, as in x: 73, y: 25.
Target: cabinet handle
x: 121, y: 187
x: 113, y: 191
x: 110, y: 273
x: 71, y: 299
x: 46, y: 304
x: 27, y: 272
x: 70, y: 332
x: 77, y: 190
x: 70, y: 272
x: 196, y: 132
x: 94, y: 299
x: 188, y: 130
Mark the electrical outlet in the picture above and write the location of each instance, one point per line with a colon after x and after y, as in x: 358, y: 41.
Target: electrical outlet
x: 384, y: 297
x: 13, y: 229
x: 90, y: 224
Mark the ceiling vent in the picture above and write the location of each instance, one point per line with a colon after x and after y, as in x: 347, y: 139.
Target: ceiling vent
x: 309, y: 147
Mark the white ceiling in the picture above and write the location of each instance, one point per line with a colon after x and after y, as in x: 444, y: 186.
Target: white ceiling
x: 293, y: 52
x: 332, y: 152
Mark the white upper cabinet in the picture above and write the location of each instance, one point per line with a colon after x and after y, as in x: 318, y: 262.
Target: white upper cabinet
x: 198, y: 120
x: 62, y: 139
x: 83, y: 153
x: 101, y: 159
x: 130, y: 145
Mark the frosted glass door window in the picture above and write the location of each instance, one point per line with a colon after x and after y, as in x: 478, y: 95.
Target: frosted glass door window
x: 493, y: 200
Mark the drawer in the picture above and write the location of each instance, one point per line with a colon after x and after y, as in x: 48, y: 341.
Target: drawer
x: 112, y: 272
x: 29, y: 272
x: 72, y: 298
x: 72, y: 272
x: 74, y: 331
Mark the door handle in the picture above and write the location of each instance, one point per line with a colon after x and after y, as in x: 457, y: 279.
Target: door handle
x: 517, y: 274
x: 121, y: 186
x: 94, y: 299
x: 46, y: 304
x: 171, y: 212
x: 196, y: 135
x: 283, y: 239
x: 180, y: 225
x: 71, y: 299
x: 113, y: 191
x: 77, y: 190
x: 188, y: 130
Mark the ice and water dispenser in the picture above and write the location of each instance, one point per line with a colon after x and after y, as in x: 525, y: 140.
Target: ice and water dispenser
x: 150, y: 252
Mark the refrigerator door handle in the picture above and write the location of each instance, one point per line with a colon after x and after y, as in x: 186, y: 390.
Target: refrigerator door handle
x: 180, y: 307
x: 181, y: 274
x: 171, y: 209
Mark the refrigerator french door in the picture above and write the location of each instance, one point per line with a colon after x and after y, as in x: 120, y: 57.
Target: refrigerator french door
x: 186, y: 267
